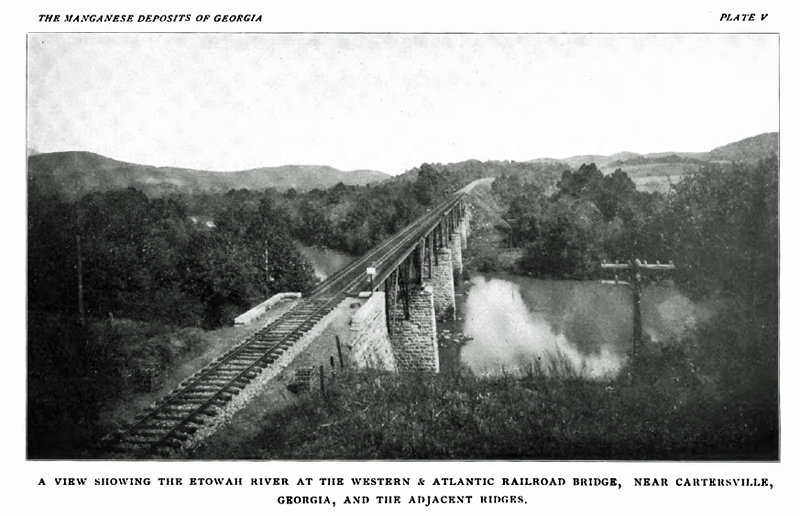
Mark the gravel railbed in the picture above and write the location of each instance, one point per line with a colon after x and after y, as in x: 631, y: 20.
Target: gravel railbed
x: 224, y: 414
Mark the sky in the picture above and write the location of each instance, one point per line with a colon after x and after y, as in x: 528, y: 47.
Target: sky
x: 390, y: 102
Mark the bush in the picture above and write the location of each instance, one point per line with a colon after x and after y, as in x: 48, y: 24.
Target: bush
x: 486, y: 264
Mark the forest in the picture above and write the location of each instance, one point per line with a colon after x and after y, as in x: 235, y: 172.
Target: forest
x: 156, y: 259
x: 720, y: 226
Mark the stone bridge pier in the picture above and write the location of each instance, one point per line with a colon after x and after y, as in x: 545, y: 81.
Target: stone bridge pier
x: 444, y: 293
x: 395, y: 330
x: 455, y: 249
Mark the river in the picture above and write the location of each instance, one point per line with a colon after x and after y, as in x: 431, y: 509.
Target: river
x: 515, y: 320
x: 324, y: 260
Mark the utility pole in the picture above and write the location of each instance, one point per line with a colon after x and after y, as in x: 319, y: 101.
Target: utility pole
x: 266, y: 268
x: 635, y: 272
x: 80, y: 283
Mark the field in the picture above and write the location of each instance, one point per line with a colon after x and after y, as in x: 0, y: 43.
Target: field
x: 655, y: 177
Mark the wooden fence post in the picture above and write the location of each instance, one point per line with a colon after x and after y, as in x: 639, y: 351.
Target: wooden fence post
x: 339, y: 348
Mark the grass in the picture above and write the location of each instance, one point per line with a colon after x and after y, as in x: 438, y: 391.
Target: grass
x: 77, y: 377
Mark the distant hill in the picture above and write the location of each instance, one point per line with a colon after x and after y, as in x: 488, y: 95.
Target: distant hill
x: 73, y: 174
x: 600, y: 161
x: 749, y: 149
x: 656, y: 170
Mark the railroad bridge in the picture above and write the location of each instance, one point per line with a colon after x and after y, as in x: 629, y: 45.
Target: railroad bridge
x: 409, y: 282
x: 410, y: 288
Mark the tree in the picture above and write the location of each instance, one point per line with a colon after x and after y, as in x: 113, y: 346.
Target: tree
x: 724, y: 224
x: 584, y: 182
x: 567, y: 240
x: 616, y: 196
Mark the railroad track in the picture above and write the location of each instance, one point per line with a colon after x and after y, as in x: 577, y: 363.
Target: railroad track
x: 175, y: 419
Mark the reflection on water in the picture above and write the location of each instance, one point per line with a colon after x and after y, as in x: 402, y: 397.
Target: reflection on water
x: 516, y: 320
x: 324, y: 261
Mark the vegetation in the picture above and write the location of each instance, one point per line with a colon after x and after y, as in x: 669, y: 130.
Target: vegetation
x: 370, y: 415
x: 720, y: 225
x: 74, y: 372
x: 566, y: 230
x: 145, y: 259
x: 353, y: 219
x: 154, y: 259
x: 647, y: 160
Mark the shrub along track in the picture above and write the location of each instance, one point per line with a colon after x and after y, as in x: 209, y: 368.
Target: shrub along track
x: 194, y: 409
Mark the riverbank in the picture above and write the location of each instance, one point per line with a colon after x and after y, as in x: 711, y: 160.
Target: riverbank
x: 665, y: 405
x: 367, y: 415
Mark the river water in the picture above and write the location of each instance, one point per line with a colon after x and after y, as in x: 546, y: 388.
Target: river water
x: 324, y: 260
x: 515, y: 320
